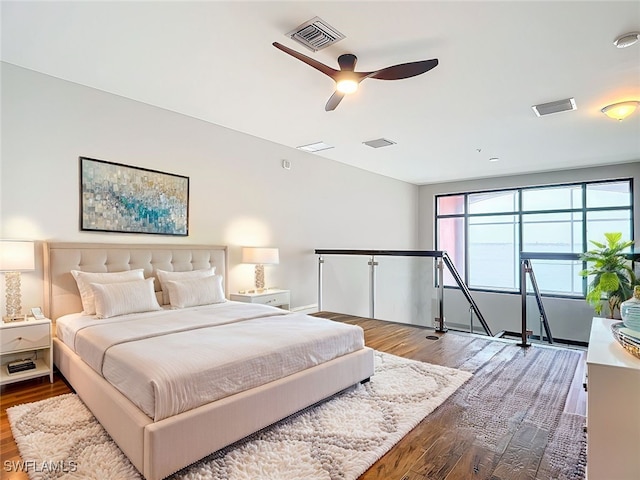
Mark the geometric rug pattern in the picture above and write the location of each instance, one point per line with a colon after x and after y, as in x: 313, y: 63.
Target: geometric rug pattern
x: 340, y: 438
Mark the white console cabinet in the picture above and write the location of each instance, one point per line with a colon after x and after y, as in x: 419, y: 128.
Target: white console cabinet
x: 613, y: 407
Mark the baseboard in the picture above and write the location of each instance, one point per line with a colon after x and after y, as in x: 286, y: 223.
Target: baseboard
x: 313, y: 308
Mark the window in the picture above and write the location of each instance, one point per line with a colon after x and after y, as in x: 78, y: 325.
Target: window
x: 493, y: 251
x: 484, y: 232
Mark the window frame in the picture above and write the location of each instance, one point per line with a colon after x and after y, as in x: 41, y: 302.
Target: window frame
x: 519, y: 213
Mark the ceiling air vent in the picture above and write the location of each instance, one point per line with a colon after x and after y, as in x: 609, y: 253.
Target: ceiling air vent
x: 554, y: 107
x: 380, y: 142
x: 315, y: 34
x: 315, y: 147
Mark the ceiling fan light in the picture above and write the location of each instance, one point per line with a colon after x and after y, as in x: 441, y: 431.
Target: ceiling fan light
x: 347, y: 86
x: 621, y: 110
x: 626, y: 40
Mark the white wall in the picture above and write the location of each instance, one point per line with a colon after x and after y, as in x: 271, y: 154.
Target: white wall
x: 569, y: 319
x: 239, y: 193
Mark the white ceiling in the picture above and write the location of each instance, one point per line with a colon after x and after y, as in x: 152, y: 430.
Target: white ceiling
x: 214, y: 61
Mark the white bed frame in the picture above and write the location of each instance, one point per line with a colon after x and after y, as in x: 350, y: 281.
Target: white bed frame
x: 158, y: 449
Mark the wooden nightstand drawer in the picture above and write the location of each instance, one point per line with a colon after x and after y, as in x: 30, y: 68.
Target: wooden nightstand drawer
x: 25, y: 337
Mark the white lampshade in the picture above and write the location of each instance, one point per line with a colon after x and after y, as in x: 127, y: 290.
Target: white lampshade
x: 260, y: 255
x: 16, y: 256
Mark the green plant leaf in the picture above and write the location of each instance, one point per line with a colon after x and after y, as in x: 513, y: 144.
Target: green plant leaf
x: 609, y: 282
x: 594, y: 297
x: 613, y: 238
x: 610, y: 273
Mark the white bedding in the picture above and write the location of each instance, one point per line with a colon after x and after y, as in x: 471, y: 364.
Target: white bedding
x: 171, y: 361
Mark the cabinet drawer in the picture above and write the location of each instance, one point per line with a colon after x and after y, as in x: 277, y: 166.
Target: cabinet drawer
x: 25, y: 337
x: 281, y: 298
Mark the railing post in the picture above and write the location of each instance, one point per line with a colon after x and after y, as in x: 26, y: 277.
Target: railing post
x: 465, y: 290
x: 441, y: 328
x: 320, y: 263
x: 523, y: 295
x: 372, y: 286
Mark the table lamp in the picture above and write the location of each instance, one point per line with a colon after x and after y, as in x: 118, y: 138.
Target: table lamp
x: 15, y: 257
x: 260, y: 256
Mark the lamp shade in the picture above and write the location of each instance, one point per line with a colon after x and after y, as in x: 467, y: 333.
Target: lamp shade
x: 620, y: 111
x: 16, y: 256
x: 260, y: 255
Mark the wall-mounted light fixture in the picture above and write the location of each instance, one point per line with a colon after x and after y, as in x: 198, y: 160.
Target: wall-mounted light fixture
x: 260, y: 256
x: 621, y: 110
x: 15, y: 257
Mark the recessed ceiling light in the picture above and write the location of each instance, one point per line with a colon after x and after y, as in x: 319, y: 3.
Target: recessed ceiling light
x: 315, y: 147
x: 379, y: 142
x: 626, y: 40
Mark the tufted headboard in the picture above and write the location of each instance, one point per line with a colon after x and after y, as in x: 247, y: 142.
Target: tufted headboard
x: 61, y: 294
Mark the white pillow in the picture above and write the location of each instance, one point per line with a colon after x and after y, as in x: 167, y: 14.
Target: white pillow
x: 164, y: 277
x: 196, y: 291
x: 85, y: 279
x: 112, y: 299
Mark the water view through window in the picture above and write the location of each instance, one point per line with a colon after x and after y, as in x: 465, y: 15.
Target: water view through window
x: 485, y: 232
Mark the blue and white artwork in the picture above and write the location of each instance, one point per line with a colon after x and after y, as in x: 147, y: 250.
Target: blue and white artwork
x: 121, y: 198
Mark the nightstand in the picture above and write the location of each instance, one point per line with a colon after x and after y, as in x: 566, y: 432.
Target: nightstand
x: 29, y: 339
x: 273, y: 297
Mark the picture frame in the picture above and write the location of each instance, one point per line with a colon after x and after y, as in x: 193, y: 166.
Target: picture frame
x: 122, y: 198
x: 36, y: 313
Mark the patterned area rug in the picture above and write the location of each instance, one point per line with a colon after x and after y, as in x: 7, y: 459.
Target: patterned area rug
x: 338, y: 439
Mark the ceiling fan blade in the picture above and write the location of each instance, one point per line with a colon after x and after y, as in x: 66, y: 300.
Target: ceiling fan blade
x: 404, y: 70
x: 334, y: 100
x: 331, y: 72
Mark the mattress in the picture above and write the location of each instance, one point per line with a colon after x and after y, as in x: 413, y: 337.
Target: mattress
x: 170, y: 361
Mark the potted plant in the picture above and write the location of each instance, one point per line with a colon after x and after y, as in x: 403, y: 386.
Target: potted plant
x: 613, y: 278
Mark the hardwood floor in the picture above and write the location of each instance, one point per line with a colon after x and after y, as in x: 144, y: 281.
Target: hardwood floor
x: 433, y: 450
x: 436, y: 448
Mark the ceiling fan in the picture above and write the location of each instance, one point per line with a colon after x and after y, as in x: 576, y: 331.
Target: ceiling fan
x: 347, y: 79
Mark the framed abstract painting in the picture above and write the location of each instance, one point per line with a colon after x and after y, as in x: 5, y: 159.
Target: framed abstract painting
x: 126, y: 199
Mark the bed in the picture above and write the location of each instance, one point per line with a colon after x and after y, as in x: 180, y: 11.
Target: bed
x: 159, y: 438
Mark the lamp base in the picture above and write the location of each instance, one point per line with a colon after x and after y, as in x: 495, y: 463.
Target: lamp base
x: 13, y: 297
x: 259, y: 277
x: 14, y: 318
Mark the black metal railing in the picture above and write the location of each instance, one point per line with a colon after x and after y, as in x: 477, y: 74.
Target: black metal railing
x: 443, y: 260
x: 526, y: 267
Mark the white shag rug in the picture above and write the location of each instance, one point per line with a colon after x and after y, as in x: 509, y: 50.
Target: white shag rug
x: 337, y: 439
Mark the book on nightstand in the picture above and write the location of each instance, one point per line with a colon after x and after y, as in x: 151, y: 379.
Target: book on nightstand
x: 20, y: 366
